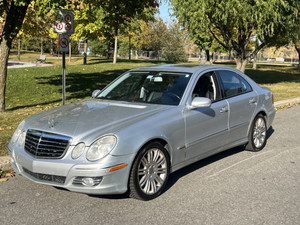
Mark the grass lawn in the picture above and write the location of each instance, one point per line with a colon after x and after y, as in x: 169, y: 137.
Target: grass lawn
x: 36, y: 89
x: 282, y: 80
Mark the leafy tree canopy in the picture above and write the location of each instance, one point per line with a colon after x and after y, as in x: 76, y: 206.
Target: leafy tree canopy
x: 234, y: 23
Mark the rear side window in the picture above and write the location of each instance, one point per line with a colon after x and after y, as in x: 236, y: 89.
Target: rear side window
x: 233, y: 84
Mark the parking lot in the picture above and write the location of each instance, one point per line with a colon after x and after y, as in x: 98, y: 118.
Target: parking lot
x: 234, y: 187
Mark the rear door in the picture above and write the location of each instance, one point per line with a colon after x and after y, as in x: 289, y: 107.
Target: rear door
x: 242, y: 103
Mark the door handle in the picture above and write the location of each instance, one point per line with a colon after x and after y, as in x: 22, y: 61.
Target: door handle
x: 224, y: 109
x: 252, y: 101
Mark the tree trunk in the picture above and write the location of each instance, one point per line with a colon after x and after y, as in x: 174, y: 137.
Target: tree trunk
x: 115, y: 46
x: 129, y: 49
x: 51, y: 47
x: 241, y: 64
x: 19, y: 49
x: 298, y: 50
x: 4, y: 54
x: 42, y: 49
x: 85, y: 52
x: 12, y: 26
x: 207, y: 55
x: 212, y: 58
x: 255, y: 63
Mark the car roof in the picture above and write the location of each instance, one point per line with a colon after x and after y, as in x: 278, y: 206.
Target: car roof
x: 186, y: 68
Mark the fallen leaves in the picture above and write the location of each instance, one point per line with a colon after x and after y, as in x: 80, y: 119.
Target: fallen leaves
x: 6, y: 174
x: 12, y: 173
x: 286, y: 106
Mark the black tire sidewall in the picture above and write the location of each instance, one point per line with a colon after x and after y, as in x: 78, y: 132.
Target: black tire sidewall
x: 134, y: 187
x: 251, y: 146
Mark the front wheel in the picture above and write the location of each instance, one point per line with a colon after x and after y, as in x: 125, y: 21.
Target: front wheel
x: 150, y: 172
x: 257, y: 134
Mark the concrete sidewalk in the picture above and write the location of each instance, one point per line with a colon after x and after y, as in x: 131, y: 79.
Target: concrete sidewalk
x: 5, y: 160
x: 21, y: 64
x: 5, y: 163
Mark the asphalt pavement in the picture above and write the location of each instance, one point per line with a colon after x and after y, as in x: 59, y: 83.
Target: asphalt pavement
x: 234, y: 187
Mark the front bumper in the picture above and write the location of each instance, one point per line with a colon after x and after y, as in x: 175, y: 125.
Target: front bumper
x: 62, y: 172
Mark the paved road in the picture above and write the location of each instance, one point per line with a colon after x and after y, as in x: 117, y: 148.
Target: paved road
x: 235, y: 187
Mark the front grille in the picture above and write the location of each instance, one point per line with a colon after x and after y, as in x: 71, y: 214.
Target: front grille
x: 46, y: 177
x: 46, y: 145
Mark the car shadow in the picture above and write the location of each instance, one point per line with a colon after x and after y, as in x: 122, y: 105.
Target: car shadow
x: 174, y: 177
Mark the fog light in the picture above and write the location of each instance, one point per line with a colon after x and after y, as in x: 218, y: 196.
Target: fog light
x: 87, y: 181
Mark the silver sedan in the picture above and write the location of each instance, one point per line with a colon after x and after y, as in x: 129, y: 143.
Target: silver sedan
x: 146, y: 124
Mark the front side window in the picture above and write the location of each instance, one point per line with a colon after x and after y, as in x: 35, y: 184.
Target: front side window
x: 233, y: 84
x: 206, y: 87
x: 149, y: 87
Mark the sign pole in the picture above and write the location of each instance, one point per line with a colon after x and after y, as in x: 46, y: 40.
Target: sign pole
x: 63, y: 78
x: 64, y: 25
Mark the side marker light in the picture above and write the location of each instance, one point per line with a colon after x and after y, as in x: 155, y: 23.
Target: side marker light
x: 117, y: 167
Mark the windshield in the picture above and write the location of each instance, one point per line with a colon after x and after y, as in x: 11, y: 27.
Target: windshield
x: 150, y: 87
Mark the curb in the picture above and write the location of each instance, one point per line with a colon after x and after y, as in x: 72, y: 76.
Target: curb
x: 5, y: 160
x: 287, y: 102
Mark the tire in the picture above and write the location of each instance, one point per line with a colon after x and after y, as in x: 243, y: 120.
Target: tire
x: 257, y: 134
x: 150, y: 172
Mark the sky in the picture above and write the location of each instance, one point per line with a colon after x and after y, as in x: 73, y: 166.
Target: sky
x: 164, y: 13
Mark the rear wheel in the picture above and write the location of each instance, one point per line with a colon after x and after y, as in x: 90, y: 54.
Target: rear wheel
x: 150, y: 172
x: 257, y: 134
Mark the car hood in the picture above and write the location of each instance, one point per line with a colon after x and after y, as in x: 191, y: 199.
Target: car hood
x: 87, y: 120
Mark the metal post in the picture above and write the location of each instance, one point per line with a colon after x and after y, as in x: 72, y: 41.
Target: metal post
x: 63, y: 78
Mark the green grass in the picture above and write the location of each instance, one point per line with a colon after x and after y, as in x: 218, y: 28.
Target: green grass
x: 36, y: 89
x: 282, y: 80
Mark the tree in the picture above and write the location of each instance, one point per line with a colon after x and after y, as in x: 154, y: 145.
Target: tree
x: 297, y: 46
x: 130, y: 29
x: 295, y: 39
x: 152, y: 36
x: 291, y: 38
x: 233, y: 23
x: 89, y: 23
x: 100, y: 47
x: 120, y: 12
x: 174, y: 46
x: 13, y: 13
x: 36, y: 27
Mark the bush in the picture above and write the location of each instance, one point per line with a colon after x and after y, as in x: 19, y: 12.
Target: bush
x: 175, y: 55
x: 124, y: 49
x: 98, y: 48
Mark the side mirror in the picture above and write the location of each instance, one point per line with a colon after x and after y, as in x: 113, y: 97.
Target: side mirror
x: 200, y: 102
x: 95, y: 93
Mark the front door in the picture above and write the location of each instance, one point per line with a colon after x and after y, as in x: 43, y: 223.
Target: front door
x: 206, y: 128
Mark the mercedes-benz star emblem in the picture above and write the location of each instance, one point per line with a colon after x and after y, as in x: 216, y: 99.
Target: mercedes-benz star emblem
x: 51, y: 123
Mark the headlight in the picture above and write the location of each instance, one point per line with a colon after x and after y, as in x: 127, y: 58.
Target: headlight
x: 101, y: 148
x: 17, y: 133
x: 21, y: 139
x: 78, y: 150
